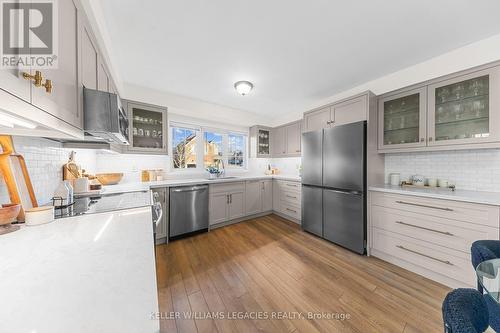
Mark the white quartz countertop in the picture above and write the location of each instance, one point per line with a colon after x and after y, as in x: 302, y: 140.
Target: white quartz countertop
x: 142, y: 186
x: 480, y: 197
x: 90, y: 273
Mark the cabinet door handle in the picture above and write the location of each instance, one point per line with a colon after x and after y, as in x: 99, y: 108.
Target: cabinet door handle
x: 290, y: 196
x: 227, y: 199
x: 291, y: 210
x: 297, y: 151
x: 425, y: 206
x: 230, y: 198
x: 424, y: 228
x: 48, y: 86
x: 422, y: 139
x: 37, y: 78
x: 291, y: 185
x: 425, y: 255
x: 430, y: 138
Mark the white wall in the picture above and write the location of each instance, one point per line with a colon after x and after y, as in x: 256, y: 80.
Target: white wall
x: 475, y: 54
x: 467, y: 169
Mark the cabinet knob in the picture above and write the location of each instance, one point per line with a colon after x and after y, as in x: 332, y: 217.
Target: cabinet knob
x: 430, y: 138
x: 422, y: 139
x: 37, y: 78
x: 48, y: 86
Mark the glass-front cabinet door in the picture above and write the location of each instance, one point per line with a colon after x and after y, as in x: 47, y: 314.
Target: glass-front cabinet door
x: 263, y: 142
x: 402, y: 120
x: 148, y: 128
x: 465, y: 109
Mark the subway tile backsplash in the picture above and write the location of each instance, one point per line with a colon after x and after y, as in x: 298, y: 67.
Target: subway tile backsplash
x: 477, y: 170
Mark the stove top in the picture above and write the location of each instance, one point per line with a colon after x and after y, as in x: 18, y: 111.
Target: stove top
x: 92, y: 204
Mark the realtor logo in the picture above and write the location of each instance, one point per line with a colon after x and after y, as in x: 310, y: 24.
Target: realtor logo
x: 29, y: 34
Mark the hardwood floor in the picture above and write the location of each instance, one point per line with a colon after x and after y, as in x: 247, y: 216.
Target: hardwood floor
x: 272, y: 275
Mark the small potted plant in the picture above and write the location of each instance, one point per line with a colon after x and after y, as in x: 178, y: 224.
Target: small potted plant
x: 213, y: 172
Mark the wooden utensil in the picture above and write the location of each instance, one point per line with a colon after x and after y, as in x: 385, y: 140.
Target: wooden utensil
x: 70, y: 169
x: 16, y: 176
x: 109, y: 178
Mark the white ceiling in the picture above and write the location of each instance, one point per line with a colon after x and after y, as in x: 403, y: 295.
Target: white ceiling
x: 295, y: 52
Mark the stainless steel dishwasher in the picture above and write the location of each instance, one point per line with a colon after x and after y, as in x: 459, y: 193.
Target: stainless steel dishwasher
x: 188, y: 210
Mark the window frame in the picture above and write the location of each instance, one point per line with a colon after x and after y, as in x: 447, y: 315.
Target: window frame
x: 200, y: 146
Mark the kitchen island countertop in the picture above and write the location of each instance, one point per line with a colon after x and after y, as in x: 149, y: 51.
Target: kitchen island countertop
x: 89, y: 273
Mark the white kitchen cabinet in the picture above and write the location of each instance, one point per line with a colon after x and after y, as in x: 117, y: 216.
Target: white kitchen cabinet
x: 218, y: 208
x: 88, y: 58
x: 253, y: 196
x: 349, y: 110
x: 62, y: 99
x: 227, y: 202
x: 258, y: 196
x: 267, y: 195
x: 318, y: 119
x: 293, y: 138
x: 428, y: 236
x: 260, y: 141
x: 464, y: 110
x: 236, y: 207
x: 279, y: 141
x: 287, y: 199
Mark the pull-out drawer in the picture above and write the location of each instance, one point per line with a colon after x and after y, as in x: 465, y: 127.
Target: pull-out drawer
x: 289, y: 186
x: 437, y: 262
x: 455, y: 210
x: 452, y: 234
x: 290, y: 197
x: 290, y: 210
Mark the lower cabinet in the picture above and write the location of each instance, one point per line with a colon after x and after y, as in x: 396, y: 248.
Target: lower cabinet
x: 287, y: 199
x: 227, y: 202
x: 431, y: 237
x: 258, y: 196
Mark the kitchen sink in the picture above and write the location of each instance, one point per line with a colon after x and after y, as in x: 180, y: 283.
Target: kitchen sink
x: 228, y: 177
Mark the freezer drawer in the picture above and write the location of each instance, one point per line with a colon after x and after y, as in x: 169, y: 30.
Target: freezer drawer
x: 344, y: 221
x: 312, y: 212
x: 188, y: 209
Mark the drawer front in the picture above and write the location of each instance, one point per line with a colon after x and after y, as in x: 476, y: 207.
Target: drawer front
x: 447, y: 262
x: 290, y: 197
x: 461, y: 211
x: 452, y: 234
x: 289, y: 186
x: 290, y: 210
x: 227, y: 187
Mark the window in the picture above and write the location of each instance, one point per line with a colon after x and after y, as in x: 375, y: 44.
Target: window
x: 183, y: 148
x: 214, y: 150
x: 236, y: 154
x: 199, y: 148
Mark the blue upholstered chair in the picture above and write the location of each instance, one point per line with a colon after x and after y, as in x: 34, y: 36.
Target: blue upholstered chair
x: 465, y: 311
x: 483, y: 250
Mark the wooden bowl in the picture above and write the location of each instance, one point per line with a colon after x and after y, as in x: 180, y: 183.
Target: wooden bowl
x: 8, y: 213
x: 109, y: 178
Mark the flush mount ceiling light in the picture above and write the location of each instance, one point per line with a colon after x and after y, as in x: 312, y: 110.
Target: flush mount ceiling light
x: 243, y: 87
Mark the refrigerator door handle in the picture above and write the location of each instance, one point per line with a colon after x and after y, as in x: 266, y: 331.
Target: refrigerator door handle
x: 345, y: 192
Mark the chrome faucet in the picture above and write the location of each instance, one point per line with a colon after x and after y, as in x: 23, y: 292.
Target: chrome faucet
x: 223, y: 172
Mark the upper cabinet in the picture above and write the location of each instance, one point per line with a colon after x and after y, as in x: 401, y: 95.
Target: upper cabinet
x: 279, y: 141
x: 147, y: 128
x: 59, y: 95
x: 459, y: 111
x: 260, y: 141
x: 402, y: 119
x: 343, y: 112
x: 286, y: 140
x: 466, y: 109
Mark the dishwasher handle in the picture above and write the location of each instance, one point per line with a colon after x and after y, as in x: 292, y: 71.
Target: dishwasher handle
x: 190, y: 189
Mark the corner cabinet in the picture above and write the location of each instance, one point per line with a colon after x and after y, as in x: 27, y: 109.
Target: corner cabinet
x: 147, y: 128
x: 458, y: 111
x: 402, y: 120
x: 260, y: 142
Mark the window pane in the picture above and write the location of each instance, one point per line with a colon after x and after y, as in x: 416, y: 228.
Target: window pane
x: 213, y: 149
x: 183, y: 148
x: 236, y: 150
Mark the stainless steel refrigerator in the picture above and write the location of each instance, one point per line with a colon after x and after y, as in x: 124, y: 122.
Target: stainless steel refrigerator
x: 334, y: 185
